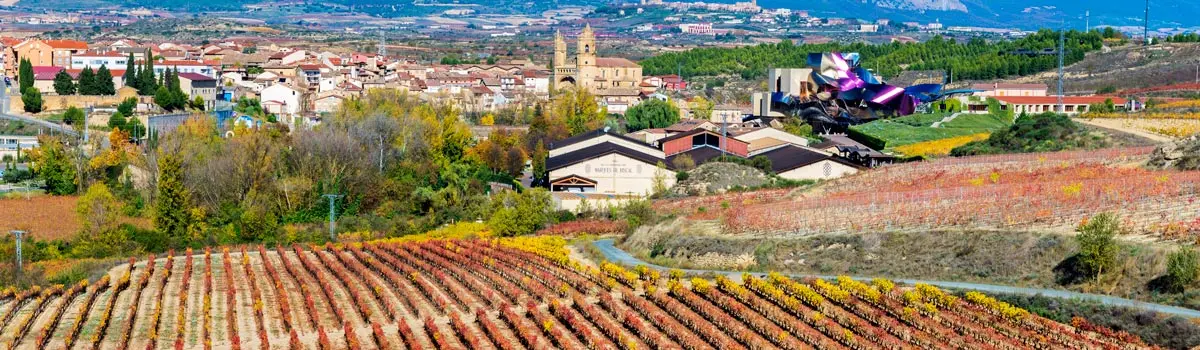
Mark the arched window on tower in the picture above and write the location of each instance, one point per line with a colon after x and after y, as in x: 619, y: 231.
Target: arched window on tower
x: 587, y: 48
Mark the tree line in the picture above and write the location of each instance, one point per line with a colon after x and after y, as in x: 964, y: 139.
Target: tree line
x: 401, y: 165
x: 973, y: 59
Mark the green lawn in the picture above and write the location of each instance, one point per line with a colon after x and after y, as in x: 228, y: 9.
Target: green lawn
x: 979, y: 121
x: 918, y: 127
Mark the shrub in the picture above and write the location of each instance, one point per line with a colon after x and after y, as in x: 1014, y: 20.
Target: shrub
x: 1046, y: 132
x: 758, y: 162
x: 127, y: 106
x: 637, y: 212
x: 1097, y: 243
x: 683, y: 162
x: 32, y: 100
x: 520, y: 213
x: 1182, y: 267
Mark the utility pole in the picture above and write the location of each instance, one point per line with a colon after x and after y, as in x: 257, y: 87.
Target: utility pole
x: 724, y: 132
x: 1061, y: 48
x: 1146, y: 24
x: 332, y: 219
x: 86, y: 112
x: 19, y: 235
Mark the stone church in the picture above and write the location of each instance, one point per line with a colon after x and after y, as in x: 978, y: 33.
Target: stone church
x: 599, y: 75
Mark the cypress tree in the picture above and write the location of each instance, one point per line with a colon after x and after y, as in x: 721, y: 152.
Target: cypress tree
x: 179, y: 97
x: 63, y: 84
x: 149, y: 83
x: 104, y: 82
x: 539, y: 160
x: 171, y: 204
x: 87, y: 82
x: 130, y: 77
x: 25, y: 75
x: 162, y: 79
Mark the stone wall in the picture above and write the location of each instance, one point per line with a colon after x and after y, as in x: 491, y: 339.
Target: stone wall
x: 51, y: 103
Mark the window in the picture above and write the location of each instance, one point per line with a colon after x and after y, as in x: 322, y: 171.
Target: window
x: 706, y: 139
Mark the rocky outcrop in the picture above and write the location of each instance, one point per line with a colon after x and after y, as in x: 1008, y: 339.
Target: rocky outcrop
x: 718, y: 177
x: 1179, y: 155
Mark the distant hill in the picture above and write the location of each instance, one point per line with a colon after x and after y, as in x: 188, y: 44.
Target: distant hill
x: 1125, y: 67
x: 974, y: 59
x: 1021, y: 14
x: 382, y: 8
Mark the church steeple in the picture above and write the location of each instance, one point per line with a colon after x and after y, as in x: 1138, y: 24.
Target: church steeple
x: 587, y: 47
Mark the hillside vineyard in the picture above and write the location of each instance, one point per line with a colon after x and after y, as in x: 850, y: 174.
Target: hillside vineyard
x: 522, y: 293
x: 1053, y: 190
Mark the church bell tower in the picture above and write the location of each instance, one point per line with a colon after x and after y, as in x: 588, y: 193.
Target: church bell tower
x: 585, y: 57
x: 587, y: 47
x: 560, y: 50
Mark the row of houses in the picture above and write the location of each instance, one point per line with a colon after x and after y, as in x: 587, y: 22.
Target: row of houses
x: 300, y: 84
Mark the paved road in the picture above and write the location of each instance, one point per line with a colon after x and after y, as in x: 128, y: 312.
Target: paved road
x: 1115, y: 125
x: 616, y: 255
x: 947, y: 119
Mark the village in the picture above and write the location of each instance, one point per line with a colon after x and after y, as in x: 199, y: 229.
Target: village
x: 239, y: 85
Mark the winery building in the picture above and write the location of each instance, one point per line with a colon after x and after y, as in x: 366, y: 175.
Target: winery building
x: 605, y: 168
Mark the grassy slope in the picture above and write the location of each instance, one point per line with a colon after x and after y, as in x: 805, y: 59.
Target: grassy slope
x: 917, y: 128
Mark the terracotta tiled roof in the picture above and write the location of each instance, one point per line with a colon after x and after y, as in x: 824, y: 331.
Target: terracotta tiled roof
x: 67, y: 44
x: 195, y: 77
x: 101, y: 54
x: 615, y: 62
x: 165, y: 63
x: 9, y: 41
x: 1053, y: 100
x: 45, y: 72
x: 1008, y: 86
x: 75, y: 72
